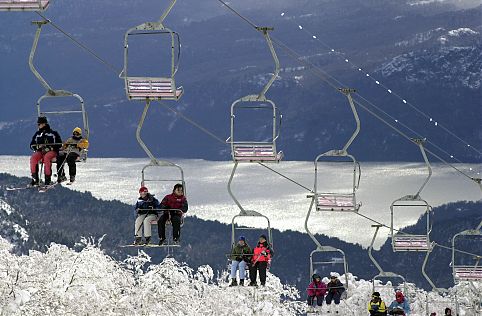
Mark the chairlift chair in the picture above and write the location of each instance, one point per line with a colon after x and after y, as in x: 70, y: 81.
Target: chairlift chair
x: 413, y: 242
x: 324, y: 249
x: 24, y: 5
x: 469, y: 273
x: 381, y: 273
x: 258, y: 151
x: 163, y: 164
x: 57, y: 93
x: 340, y: 201
x: 153, y: 88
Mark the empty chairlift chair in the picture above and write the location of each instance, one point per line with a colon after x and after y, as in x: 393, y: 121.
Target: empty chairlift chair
x: 344, y: 201
x: 153, y: 88
x: 24, y: 5
x: 258, y: 151
x: 462, y: 271
x: 408, y: 241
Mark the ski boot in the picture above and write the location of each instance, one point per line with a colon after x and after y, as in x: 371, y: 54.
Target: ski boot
x: 48, y: 180
x: 35, y: 180
x: 161, y: 241
x: 138, y: 241
x: 176, y: 241
x: 234, y: 283
x: 253, y: 283
x: 147, y: 241
x: 241, y: 282
x: 61, y: 178
x: 72, y: 179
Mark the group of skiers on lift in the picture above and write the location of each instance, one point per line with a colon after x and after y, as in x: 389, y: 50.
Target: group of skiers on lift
x: 256, y: 259
x: 399, y: 306
x: 318, y: 291
x: 148, y: 210
x: 48, y: 148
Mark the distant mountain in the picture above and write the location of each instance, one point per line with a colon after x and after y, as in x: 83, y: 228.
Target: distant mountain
x: 64, y: 216
x: 429, y: 54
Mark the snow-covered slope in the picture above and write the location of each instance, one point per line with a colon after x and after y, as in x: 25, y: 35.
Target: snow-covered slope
x: 65, y: 282
x: 9, y: 224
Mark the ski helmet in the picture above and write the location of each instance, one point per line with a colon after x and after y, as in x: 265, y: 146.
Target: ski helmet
x: 77, y: 130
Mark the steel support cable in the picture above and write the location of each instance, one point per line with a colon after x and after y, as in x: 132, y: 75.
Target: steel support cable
x: 415, y: 108
x: 84, y: 47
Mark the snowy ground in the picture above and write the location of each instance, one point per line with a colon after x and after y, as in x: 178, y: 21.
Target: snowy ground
x: 283, y: 202
x: 64, y: 282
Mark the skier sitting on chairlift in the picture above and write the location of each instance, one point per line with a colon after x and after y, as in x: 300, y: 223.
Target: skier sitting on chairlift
x: 316, y: 289
x: 448, y: 312
x: 240, y: 258
x: 400, y: 305
x: 146, y: 212
x: 335, y: 290
x: 46, y: 144
x: 175, y: 205
x: 261, y: 259
x: 70, y: 151
x: 376, y: 307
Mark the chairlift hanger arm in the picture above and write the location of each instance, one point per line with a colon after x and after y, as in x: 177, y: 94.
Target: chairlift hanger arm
x: 347, y: 92
x: 420, y: 143
x: 265, y: 31
x: 33, y: 50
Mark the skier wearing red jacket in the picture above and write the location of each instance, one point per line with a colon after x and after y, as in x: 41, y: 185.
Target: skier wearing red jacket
x: 261, y: 258
x: 174, y: 206
x: 316, y: 289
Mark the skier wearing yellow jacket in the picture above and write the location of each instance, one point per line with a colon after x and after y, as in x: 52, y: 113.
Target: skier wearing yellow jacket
x: 376, y: 306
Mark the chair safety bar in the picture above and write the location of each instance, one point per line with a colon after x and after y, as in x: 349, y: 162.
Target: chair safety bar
x: 467, y: 273
x: 411, y: 243
x: 140, y: 88
x: 24, y: 5
x: 256, y: 152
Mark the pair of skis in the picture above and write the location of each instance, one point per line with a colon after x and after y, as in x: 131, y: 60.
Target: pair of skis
x: 41, y: 188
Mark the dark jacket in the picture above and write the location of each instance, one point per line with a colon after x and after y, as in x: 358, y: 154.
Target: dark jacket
x: 46, y: 139
x: 335, y: 287
x: 173, y: 203
x: 240, y: 253
x: 147, y: 205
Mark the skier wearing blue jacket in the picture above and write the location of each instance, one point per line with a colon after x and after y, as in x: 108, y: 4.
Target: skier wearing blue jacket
x: 400, y: 305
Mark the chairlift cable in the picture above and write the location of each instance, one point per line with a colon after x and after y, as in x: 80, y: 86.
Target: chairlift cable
x: 83, y: 46
x: 317, y: 71
x: 390, y: 91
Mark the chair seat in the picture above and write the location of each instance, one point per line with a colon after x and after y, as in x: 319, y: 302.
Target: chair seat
x: 468, y: 273
x: 153, y: 88
x: 23, y: 5
x: 336, y: 202
x: 256, y: 153
x: 411, y: 243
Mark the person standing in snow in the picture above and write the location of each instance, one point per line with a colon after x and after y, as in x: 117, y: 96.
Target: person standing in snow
x: 146, y: 210
x: 335, y: 290
x: 262, y: 255
x: 377, y: 307
x: 316, y: 289
x: 174, y: 206
x: 240, y: 257
x: 70, y: 151
x: 46, y: 144
x: 400, y: 305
